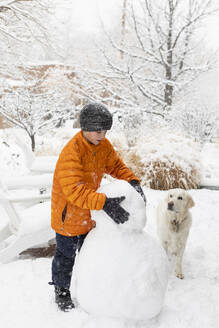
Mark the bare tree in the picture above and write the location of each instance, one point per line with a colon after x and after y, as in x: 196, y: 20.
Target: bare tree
x: 37, y: 104
x: 161, y: 55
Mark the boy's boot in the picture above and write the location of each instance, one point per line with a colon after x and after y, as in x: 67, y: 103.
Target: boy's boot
x: 63, y: 299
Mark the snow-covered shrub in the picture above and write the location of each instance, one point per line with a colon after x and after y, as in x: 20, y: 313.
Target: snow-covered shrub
x: 119, y: 142
x: 199, y: 123
x: 195, y: 112
x: 52, y: 142
x: 49, y: 146
x: 210, y: 163
x: 130, y: 122
x: 12, y: 159
x: 165, y: 160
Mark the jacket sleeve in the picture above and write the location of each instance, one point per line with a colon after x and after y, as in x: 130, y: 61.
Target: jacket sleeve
x: 70, y: 177
x: 116, y: 167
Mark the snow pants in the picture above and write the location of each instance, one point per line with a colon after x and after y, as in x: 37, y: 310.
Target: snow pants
x: 64, y: 258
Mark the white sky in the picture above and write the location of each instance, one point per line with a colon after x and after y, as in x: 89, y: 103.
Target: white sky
x: 84, y: 16
x: 212, y: 32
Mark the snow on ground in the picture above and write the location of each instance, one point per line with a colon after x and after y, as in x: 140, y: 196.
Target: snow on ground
x: 26, y: 300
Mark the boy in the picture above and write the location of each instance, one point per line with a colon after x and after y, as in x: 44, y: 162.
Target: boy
x: 78, y: 174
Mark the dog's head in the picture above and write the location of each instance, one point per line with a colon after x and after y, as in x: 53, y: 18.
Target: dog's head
x: 179, y: 201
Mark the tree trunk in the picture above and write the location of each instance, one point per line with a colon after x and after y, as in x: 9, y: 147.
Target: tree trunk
x: 123, y: 27
x: 168, y: 91
x: 168, y: 95
x: 33, y: 145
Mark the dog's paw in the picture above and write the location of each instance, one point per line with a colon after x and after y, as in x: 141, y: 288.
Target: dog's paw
x: 180, y: 275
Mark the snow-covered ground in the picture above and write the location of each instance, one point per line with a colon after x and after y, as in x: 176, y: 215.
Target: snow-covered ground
x: 26, y: 300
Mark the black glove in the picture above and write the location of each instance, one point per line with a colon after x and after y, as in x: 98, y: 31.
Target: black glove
x: 136, y: 185
x: 114, y: 210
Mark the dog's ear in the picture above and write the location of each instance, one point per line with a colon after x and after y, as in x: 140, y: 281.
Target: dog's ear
x: 190, y: 202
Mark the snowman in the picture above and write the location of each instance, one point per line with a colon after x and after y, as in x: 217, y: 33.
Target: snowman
x: 121, y: 271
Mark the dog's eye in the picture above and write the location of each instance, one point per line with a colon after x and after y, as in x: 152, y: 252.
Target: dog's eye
x: 171, y: 196
x: 180, y: 197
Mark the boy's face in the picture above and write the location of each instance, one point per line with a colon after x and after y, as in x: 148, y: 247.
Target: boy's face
x: 94, y: 137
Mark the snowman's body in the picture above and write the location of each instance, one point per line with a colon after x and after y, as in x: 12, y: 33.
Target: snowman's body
x: 121, y: 271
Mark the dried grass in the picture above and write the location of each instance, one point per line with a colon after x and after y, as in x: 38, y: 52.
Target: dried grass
x: 161, y: 175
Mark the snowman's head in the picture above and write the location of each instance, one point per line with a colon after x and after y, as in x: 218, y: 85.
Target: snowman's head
x: 133, y: 204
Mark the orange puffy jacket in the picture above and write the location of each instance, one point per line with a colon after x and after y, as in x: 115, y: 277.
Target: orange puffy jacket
x: 77, y: 176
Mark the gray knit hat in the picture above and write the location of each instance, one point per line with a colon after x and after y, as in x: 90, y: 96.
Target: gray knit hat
x: 95, y: 117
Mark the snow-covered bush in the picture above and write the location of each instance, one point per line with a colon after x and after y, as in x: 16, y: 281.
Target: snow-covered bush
x: 165, y: 160
x: 119, y: 142
x: 210, y: 161
x: 52, y: 142
x: 12, y: 159
x: 196, y: 121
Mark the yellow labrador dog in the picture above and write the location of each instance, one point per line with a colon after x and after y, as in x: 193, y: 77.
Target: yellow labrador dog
x: 173, y: 224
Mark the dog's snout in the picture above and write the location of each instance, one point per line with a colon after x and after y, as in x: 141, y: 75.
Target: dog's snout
x: 170, y: 205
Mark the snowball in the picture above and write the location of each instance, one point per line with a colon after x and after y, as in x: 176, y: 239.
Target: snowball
x: 121, y: 271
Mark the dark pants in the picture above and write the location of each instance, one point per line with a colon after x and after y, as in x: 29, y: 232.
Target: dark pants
x: 64, y: 258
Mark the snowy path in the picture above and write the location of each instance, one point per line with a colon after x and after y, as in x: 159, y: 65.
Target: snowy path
x: 26, y: 300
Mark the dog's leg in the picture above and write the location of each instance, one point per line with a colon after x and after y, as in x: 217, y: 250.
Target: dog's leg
x: 181, y: 244
x: 179, y: 258
x: 165, y: 246
x: 179, y: 273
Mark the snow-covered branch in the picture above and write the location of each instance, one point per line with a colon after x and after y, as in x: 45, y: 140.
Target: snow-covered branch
x: 23, y: 23
x: 160, y: 56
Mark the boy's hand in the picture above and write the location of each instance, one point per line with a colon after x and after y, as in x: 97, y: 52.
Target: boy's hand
x: 114, y: 210
x: 136, y: 185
